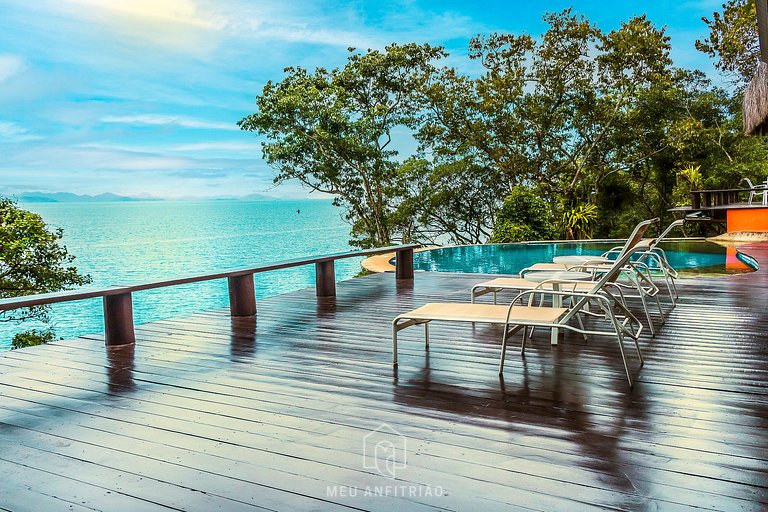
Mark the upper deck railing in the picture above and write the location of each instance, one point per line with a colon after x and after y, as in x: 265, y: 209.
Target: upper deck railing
x: 118, y: 300
x: 722, y: 197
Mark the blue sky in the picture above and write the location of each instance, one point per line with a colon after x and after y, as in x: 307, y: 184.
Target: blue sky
x: 141, y: 97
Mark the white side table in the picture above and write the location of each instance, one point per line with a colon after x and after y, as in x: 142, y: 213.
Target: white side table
x: 557, y: 300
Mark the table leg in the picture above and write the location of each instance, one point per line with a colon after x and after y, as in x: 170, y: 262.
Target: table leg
x: 557, y: 302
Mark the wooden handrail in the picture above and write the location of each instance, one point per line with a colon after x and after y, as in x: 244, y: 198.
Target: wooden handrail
x: 719, y: 197
x: 756, y: 187
x: 41, y: 299
x: 266, y: 267
x: 118, y: 313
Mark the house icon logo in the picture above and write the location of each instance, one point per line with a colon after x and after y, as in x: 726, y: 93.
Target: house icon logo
x: 384, y: 450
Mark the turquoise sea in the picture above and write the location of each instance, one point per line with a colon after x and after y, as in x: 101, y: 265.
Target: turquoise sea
x: 124, y: 242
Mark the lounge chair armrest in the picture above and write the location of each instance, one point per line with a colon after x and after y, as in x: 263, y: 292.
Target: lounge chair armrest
x: 611, y: 251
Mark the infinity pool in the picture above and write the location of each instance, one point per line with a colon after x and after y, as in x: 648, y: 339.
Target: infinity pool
x: 691, y: 257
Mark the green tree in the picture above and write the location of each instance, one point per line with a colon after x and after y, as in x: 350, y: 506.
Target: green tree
x: 332, y: 131
x: 33, y: 338
x: 523, y: 216
x: 451, y: 202
x: 733, y: 41
x: 599, y: 122
x: 555, y: 111
x: 32, y: 260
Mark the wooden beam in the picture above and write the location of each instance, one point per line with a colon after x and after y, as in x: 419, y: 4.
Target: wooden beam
x: 325, y: 279
x: 404, y: 264
x: 118, y: 320
x: 39, y: 299
x: 761, y: 6
x: 242, y: 295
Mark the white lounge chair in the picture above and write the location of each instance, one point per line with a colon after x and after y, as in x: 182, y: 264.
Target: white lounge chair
x: 638, y: 275
x: 655, y: 260
x: 517, y: 316
x: 761, y: 188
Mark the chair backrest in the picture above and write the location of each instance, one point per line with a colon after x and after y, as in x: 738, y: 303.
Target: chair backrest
x: 611, y: 275
x: 633, y: 244
x: 637, y: 234
x: 749, y: 182
x: 678, y: 222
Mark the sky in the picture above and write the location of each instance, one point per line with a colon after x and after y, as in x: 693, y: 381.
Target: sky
x: 141, y: 97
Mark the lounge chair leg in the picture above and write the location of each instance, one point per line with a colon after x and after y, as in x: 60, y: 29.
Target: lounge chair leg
x: 620, y: 339
x: 525, y: 339
x: 639, y: 354
x: 581, y: 325
x: 661, y: 312
x: 503, y: 350
x: 530, y: 303
x: 645, y: 308
x: 394, y: 342
x: 667, y: 280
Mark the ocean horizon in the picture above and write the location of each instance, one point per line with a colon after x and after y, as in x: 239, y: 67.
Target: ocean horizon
x: 120, y: 243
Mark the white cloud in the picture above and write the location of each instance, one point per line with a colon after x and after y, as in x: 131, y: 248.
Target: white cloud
x: 166, y: 11
x: 218, y: 146
x: 304, y: 34
x: 159, y: 119
x: 12, y: 132
x: 10, y: 65
x: 323, y: 23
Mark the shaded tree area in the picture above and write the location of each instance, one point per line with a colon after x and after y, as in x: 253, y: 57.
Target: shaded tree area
x: 599, y: 126
x: 32, y: 260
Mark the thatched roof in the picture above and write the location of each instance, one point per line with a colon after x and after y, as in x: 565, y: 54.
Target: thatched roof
x: 755, y: 104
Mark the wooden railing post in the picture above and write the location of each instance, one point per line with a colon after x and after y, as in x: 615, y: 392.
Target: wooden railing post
x: 404, y: 264
x: 118, y: 319
x: 695, y: 200
x: 118, y: 306
x: 242, y: 295
x: 325, y: 279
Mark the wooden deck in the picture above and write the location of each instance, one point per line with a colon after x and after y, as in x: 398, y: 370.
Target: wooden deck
x: 210, y: 413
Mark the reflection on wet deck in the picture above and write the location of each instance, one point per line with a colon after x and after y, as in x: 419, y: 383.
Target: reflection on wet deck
x: 208, y: 412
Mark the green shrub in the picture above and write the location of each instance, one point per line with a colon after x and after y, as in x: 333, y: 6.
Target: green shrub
x: 523, y: 216
x: 32, y: 338
x: 579, y: 221
x: 688, y: 179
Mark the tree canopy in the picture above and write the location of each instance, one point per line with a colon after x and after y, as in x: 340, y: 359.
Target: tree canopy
x: 598, y: 124
x: 733, y: 41
x: 332, y: 130
x: 32, y: 260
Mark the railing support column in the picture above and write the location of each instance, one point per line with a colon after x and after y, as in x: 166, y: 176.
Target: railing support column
x: 242, y: 295
x: 118, y: 319
x: 325, y: 279
x: 404, y: 264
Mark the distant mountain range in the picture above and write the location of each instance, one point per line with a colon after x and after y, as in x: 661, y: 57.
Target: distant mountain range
x: 67, y: 197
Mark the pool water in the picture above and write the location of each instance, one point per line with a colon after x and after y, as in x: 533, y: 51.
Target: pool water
x: 690, y: 257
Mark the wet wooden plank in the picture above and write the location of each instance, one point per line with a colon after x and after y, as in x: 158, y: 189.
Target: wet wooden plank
x: 210, y: 412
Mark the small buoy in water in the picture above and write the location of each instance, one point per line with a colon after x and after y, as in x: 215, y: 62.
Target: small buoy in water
x: 298, y: 211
